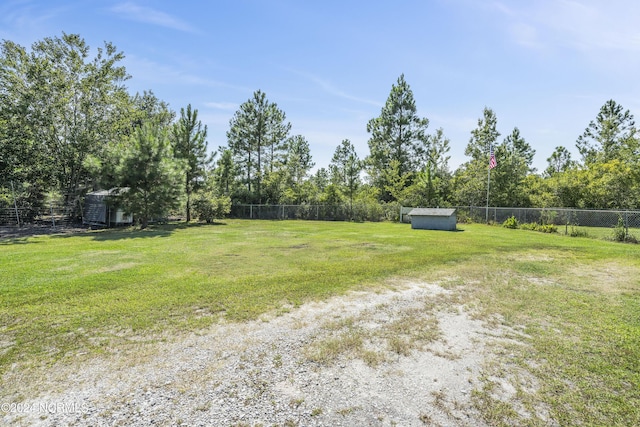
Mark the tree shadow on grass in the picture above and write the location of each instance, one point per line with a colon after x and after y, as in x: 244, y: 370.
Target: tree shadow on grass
x: 153, y: 231
x: 16, y: 241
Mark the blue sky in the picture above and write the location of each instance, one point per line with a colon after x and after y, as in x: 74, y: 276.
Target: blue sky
x: 544, y: 66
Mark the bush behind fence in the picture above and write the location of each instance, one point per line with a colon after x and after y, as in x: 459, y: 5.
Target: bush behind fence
x: 556, y: 216
x: 64, y: 214
x: 394, y: 212
x: 357, y: 212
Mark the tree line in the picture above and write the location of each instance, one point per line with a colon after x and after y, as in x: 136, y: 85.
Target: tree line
x: 69, y: 126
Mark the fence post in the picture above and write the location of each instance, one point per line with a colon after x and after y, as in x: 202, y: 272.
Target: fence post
x: 53, y: 220
x: 626, y: 223
x: 15, y: 203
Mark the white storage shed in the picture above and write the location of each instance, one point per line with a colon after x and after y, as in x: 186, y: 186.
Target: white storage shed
x: 433, y: 219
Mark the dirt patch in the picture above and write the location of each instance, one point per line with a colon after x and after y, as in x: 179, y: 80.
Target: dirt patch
x: 259, y: 373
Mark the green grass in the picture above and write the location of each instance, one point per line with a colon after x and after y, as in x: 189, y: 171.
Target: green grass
x: 605, y: 233
x: 576, y: 300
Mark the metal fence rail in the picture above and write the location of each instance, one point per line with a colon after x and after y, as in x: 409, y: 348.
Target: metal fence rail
x: 357, y: 212
x: 54, y: 213
x: 392, y: 212
x: 556, y: 216
x: 66, y: 214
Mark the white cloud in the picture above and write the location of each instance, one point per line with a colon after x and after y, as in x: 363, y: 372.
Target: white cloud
x: 157, y: 73
x: 525, y: 35
x: 21, y: 20
x: 332, y: 90
x: 148, y: 15
x: 585, y: 25
x: 226, y: 106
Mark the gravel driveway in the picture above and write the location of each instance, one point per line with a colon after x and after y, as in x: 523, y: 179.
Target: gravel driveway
x: 294, y: 369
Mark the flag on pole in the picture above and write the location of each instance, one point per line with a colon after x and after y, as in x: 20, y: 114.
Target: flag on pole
x: 492, y: 158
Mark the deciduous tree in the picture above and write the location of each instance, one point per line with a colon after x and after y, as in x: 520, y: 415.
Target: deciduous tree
x: 62, y: 105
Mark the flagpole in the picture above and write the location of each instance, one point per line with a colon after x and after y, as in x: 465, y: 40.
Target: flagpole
x: 488, y: 186
x: 492, y: 164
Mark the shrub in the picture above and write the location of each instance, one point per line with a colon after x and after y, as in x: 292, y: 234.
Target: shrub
x: 464, y: 217
x: 548, y: 228
x: 510, y: 222
x: 575, y: 232
x: 208, y: 207
x: 621, y: 234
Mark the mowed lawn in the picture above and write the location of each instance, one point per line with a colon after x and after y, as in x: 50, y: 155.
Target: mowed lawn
x: 575, y: 301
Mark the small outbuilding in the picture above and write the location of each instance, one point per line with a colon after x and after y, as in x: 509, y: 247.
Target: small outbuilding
x: 99, y: 211
x: 433, y: 219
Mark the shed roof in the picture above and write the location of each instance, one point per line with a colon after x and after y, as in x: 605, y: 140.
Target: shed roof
x: 431, y: 212
x: 111, y: 192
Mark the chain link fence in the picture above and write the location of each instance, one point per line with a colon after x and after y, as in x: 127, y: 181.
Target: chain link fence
x: 357, y: 212
x: 555, y: 216
x: 52, y: 214
x: 393, y: 212
x: 65, y: 214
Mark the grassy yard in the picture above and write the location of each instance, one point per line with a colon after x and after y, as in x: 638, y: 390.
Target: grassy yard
x: 576, y: 301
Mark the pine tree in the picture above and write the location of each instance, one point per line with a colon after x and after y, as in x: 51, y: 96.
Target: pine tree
x: 483, y: 136
x: 559, y: 161
x: 514, y: 156
x: 470, y: 180
x: 149, y: 175
x: 610, y: 136
x: 189, y: 140
x: 257, y: 136
x: 345, y: 170
x: 398, y: 134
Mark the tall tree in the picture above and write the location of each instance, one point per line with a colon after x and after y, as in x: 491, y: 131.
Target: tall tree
x: 257, y: 129
x: 559, y: 161
x: 435, y: 177
x: 277, y: 144
x: 610, y: 136
x: 471, y: 178
x: 483, y: 136
x: 398, y: 134
x: 63, y: 104
x: 189, y: 140
x: 320, y: 181
x: 284, y: 181
x: 345, y: 170
x: 225, y: 174
x: 147, y: 107
x: 149, y: 174
x: 514, y: 156
x: 298, y: 162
